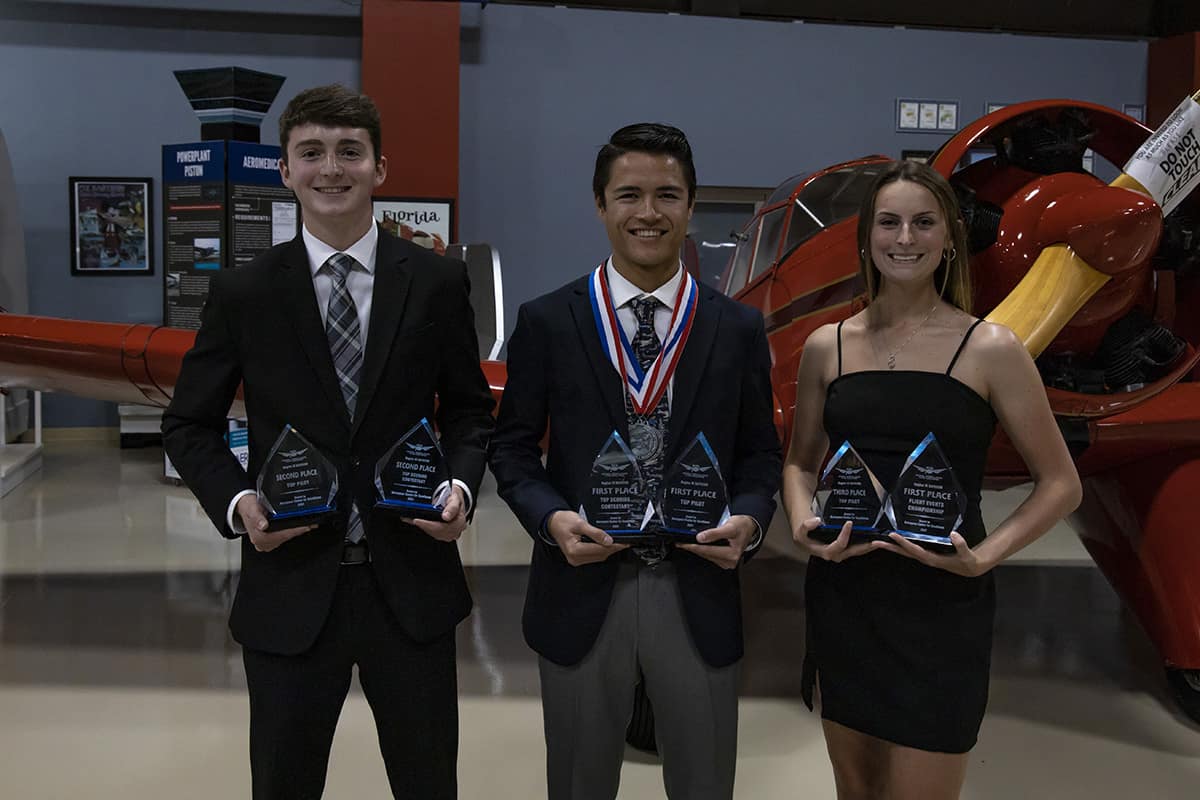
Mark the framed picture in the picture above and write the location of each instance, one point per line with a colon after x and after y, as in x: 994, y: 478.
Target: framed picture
x: 916, y: 155
x: 427, y: 221
x: 111, y: 226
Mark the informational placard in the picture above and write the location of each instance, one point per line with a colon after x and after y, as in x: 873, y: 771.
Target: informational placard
x: 947, y: 116
x: 918, y: 115
x: 224, y: 204
x: 262, y: 211
x: 111, y: 226
x: 427, y: 221
x: 193, y: 227
x: 1168, y: 164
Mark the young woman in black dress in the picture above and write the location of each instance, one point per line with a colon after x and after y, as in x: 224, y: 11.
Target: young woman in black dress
x: 899, y: 636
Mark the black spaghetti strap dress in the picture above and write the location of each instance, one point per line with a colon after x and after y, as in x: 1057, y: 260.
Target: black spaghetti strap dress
x: 899, y: 650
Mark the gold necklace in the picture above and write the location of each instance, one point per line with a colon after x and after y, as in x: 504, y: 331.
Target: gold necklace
x: 891, y: 359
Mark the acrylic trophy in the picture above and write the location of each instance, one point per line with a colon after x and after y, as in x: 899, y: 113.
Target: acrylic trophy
x: 297, y: 485
x: 848, y: 492
x: 927, y: 502
x: 412, y: 479
x: 694, y: 498
x: 615, y: 497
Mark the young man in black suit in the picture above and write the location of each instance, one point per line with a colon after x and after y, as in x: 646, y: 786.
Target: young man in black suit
x: 346, y: 334
x: 600, y: 613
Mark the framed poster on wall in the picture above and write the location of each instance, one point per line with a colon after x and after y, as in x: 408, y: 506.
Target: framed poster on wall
x: 111, y: 226
x: 427, y: 221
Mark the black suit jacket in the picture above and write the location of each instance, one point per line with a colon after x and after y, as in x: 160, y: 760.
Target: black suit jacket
x: 559, y: 375
x: 261, y: 328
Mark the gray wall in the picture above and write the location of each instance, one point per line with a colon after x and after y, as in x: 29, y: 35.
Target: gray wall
x: 86, y: 98
x: 759, y: 101
x: 541, y: 89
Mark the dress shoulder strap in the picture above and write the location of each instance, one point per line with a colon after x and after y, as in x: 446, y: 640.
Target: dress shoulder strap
x: 839, y: 340
x: 962, y: 345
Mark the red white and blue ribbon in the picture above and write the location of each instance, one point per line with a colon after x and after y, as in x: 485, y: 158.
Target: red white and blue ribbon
x: 646, y: 387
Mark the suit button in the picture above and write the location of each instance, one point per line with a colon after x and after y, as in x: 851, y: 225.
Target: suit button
x: 354, y: 462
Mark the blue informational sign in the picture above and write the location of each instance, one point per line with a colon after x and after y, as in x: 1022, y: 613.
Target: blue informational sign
x: 238, y: 438
x: 199, y: 162
x: 254, y: 164
x: 224, y: 203
x: 204, y: 162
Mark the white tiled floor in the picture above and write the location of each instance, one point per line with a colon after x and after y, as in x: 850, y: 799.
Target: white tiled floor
x: 1070, y: 726
x: 184, y: 744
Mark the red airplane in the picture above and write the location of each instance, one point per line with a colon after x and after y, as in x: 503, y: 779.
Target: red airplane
x: 1093, y: 280
x: 1090, y: 275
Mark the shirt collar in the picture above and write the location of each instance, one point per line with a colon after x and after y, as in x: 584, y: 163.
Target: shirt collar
x: 362, y: 251
x: 623, y: 291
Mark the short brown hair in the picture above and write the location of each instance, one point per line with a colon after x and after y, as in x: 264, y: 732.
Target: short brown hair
x: 656, y: 138
x: 333, y: 106
x: 953, y: 276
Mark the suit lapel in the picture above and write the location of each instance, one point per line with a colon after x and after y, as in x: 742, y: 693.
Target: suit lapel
x: 608, y: 383
x: 392, y: 278
x: 690, y: 371
x: 300, y: 306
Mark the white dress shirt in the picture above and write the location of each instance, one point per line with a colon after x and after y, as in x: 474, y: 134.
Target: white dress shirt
x: 623, y: 292
x: 360, y: 282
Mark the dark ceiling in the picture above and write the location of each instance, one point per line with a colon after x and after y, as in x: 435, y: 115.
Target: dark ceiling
x: 1092, y: 18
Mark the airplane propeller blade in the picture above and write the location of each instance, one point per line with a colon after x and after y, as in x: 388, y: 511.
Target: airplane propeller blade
x: 1057, y: 285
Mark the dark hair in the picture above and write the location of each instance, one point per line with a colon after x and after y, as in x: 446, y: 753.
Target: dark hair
x: 953, y: 275
x: 644, y: 137
x: 333, y: 106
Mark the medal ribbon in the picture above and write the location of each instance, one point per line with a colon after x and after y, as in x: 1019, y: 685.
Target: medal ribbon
x: 645, y: 388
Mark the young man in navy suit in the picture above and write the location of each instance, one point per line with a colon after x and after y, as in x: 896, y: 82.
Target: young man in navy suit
x: 598, y: 612
x: 347, y: 335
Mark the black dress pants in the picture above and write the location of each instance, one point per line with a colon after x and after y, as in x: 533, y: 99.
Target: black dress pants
x: 411, y: 687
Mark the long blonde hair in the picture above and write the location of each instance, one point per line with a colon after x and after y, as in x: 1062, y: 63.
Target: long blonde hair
x: 953, y: 275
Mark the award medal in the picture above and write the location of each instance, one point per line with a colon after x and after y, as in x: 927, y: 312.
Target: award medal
x: 644, y: 388
x: 646, y: 440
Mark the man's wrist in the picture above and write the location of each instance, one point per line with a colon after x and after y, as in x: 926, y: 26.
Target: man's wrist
x: 469, y: 501
x: 758, y: 536
x: 544, y: 529
x: 234, y: 519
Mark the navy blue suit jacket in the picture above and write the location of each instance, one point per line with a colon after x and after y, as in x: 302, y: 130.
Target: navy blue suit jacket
x: 559, y: 376
x: 261, y: 328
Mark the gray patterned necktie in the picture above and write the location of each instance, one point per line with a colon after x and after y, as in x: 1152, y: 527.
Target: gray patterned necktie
x: 648, y: 434
x: 649, y: 448
x: 345, y: 345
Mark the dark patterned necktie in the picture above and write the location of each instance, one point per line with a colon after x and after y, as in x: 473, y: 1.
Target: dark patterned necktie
x: 345, y: 345
x: 648, y: 434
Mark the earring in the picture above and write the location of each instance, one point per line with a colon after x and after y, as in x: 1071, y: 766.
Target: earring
x: 951, y: 255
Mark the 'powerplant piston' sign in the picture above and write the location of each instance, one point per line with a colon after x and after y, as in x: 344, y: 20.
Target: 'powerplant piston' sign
x: 1168, y: 164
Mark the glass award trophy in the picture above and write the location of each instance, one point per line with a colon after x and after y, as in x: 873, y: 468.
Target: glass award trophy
x: 298, y: 485
x: 927, y: 502
x: 412, y: 479
x: 694, y: 498
x: 615, y: 496
x: 848, y: 492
